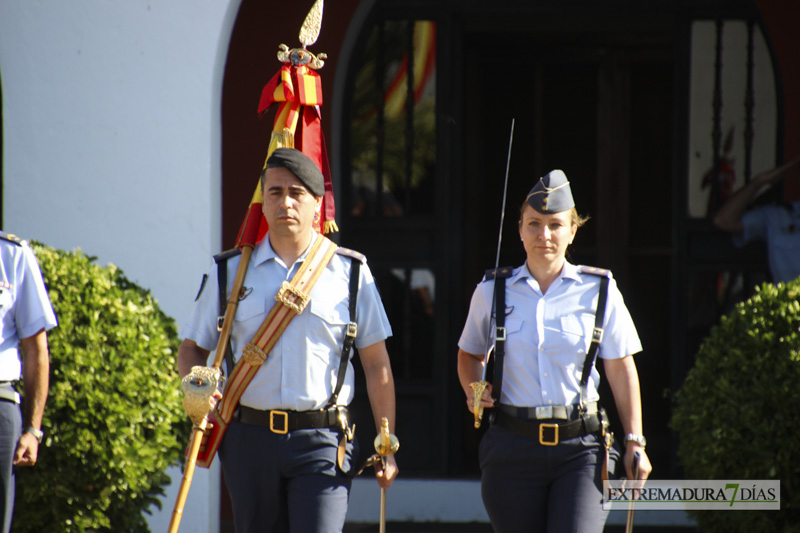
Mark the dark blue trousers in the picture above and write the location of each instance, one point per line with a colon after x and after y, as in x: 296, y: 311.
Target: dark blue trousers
x: 285, y: 483
x: 10, y: 431
x: 528, y: 487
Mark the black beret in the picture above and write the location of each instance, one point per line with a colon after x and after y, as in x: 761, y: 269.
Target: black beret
x: 301, y: 166
x: 551, y: 194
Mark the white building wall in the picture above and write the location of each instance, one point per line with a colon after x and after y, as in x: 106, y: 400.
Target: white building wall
x: 111, y: 144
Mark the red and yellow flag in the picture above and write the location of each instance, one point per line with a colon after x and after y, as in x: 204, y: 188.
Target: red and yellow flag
x: 298, y: 90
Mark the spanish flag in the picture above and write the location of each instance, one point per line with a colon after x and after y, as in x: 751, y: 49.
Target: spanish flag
x: 298, y: 90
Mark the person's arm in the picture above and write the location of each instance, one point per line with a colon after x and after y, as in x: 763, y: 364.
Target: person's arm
x: 624, y: 381
x: 729, y: 216
x: 470, y: 370
x: 380, y: 389
x: 36, y: 381
x: 189, y: 355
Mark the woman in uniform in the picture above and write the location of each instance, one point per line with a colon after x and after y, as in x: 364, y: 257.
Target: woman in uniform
x: 545, y: 455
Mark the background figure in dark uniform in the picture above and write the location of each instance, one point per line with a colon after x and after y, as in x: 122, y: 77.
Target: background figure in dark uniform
x: 542, y: 478
x: 777, y: 225
x: 279, y: 454
x: 25, y: 317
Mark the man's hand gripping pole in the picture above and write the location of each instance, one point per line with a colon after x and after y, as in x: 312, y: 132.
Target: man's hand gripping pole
x: 199, y: 387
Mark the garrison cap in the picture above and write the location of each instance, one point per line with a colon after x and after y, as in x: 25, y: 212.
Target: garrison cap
x: 301, y: 166
x: 551, y: 194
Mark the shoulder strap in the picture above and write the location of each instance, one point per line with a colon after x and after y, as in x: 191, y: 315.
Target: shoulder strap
x: 499, y: 276
x: 222, y: 282
x: 352, y: 330
x: 352, y: 254
x: 597, y: 332
x: 499, y: 336
x: 10, y: 237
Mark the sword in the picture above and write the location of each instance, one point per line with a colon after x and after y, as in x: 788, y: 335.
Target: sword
x: 629, y: 524
x: 386, y: 444
x: 479, y: 386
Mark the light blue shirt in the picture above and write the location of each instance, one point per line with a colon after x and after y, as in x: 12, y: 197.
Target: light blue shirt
x: 301, y: 369
x: 25, y: 308
x: 548, y: 335
x: 780, y: 228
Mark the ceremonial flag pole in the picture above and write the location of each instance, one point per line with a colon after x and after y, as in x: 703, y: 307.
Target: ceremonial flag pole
x: 299, y: 90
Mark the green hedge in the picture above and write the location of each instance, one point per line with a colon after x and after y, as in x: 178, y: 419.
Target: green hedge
x: 737, y: 413
x: 113, y: 421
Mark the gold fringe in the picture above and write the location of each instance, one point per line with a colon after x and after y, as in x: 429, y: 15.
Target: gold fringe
x: 329, y: 227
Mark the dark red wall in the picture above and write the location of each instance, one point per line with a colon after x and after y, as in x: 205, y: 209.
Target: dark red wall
x: 259, y: 28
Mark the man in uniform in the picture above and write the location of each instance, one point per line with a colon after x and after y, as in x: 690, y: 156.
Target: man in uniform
x: 279, y: 453
x: 25, y: 317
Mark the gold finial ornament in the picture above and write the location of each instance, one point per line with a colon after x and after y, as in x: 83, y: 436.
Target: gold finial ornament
x: 308, y: 36
x: 477, y: 389
x: 199, y: 387
x: 309, y: 33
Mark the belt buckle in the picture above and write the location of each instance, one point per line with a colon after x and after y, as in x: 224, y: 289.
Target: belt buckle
x: 542, y: 440
x: 352, y: 330
x: 285, y: 416
x: 543, y: 412
x: 283, y: 297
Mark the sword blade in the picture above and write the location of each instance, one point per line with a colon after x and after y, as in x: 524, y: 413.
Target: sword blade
x: 499, y: 243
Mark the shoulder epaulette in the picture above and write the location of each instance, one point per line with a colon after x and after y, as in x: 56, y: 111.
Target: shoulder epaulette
x: 595, y: 271
x: 347, y: 252
x: 10, y: 237
x: 502, y: 272
x: 227, y: 254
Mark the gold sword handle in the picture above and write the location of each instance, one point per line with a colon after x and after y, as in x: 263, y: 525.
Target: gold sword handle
x: 386, y: 443
x: 477, y: 389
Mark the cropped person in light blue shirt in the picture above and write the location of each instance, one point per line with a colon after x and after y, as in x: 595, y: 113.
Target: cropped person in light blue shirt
x: 536, y: 477
x: 25, y: 317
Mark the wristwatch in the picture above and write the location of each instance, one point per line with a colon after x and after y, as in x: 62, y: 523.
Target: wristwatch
x: 38, y: 433
x: 638, y: 439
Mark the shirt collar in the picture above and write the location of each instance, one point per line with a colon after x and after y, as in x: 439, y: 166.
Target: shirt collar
x: 264, y: 251
x: 569, y: 271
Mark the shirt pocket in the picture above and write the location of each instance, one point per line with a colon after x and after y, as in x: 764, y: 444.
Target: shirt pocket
x: 576, y: 331
x: 251, y: 309
x: 327, y: 324
x: 520, y: 350
x: 512, y: 325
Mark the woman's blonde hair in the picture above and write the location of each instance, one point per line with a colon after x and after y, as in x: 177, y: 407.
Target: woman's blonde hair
x: 576, y: 219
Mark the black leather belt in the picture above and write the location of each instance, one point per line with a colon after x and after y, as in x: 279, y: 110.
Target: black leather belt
x: 546, y: 412
x: 549, y: 433
x: 282, y: 422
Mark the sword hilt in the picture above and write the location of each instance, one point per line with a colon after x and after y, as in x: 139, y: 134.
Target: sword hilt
x: 386, y: 443
x: 477, y: 390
